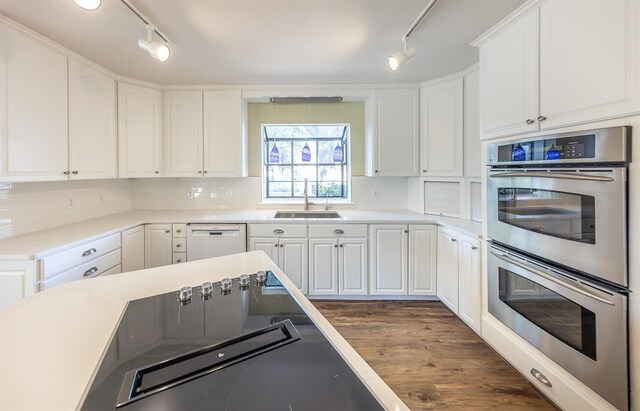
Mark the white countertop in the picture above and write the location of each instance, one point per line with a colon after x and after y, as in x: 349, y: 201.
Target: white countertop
x: 52, y: 342
x: 42, y: 243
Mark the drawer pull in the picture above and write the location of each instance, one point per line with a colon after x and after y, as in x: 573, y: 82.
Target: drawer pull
x: 541, y: 377
x: 167, y: 231
x: 178, y: 231
x: 278, y: 231
x: 453, y: 240
x: 89, y: 252
x: 90, y: 271
x: 338, y: 231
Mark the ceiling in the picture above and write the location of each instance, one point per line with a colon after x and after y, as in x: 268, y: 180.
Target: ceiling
x: 269, y: 41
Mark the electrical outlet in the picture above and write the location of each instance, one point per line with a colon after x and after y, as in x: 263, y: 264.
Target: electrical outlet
x: 375, y: 194
x: 71, y: 202
x: 101, y: 198
x: 190, y: 194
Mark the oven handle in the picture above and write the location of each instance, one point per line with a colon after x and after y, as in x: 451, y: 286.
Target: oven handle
x: 567, y: 176
x: 552, y: 278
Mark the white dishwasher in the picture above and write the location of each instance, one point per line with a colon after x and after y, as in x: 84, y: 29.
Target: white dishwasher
x: 209, y: 240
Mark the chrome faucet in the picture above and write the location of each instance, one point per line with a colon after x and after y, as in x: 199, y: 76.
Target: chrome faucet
x: 306, y: 195
x: 327, y: 207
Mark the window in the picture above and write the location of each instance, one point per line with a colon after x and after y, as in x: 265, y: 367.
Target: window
x: 316, y: 152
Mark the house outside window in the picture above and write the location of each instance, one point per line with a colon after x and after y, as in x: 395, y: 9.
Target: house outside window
x: 316, y: 152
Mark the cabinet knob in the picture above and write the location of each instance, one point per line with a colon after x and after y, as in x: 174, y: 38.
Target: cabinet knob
x: 341, y: 245
x: 66, y: 173
x: 473, y: 247
x: 157, y: 172
x: 179, y: 260
x: 167, y: 231
x: 530, y: 121
x: 376, y: 171
x: 454, y: 240
x: 281, y: 245
x: 205, y: 171
x: 199, y: 171
x: 424, y: 170
x: 406, y: 231
x: 278, y: 231
x: 541, y: 118
x: 74, y: 172
x: 275, y: 245
x: 335, y: 245
x: 178, y: 231
x: 178, y: 245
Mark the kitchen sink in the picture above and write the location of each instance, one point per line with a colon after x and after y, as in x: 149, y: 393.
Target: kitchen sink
x: 307, y: 214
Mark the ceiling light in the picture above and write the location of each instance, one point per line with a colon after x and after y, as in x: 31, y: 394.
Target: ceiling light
x: 88, y: 4
x: 397, y: 60
x: 156, y: 49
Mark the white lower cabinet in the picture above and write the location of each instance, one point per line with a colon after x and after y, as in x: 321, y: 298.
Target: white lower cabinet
x: 158, y: 245
x: 17, y: 281
x: 402, y: 259
x: 338, y: 264
x: 458, y: 275
x: 133, y: 249
x: 290, y: 254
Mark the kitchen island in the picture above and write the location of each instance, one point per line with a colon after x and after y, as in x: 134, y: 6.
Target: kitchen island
x: 52, y: 342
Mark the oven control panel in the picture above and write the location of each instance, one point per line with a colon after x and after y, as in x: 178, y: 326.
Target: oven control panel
x: 548, y: 149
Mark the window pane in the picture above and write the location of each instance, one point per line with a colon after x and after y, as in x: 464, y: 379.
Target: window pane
x: 297, y: 152
x: 325, y: 150
x: 279, y: 173
x: 279, y: 189
x: 298, y: 189
x: 332, y: 188
x: 302, y: 172
x: 284, y: 148
x: 329, y: 173
x: 302, y: 131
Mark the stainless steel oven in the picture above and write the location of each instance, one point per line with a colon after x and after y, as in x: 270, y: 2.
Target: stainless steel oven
x: 581, y: 325
x: 563, y: 198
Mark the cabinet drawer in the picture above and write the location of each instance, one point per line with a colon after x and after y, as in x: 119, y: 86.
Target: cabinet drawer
x: 179, y: 245
x: 89, y: 269
x: 115, y: 270
x: 179, y: 230
x: 338, y: 230
x: 179, y: 258
x: 278, y: 230
x: 65, y: 260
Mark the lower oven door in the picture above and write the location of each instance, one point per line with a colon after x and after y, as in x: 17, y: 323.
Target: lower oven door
x: 581, y: 326
x: 575, y: 217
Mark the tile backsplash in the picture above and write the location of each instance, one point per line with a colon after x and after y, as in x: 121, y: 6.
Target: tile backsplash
x: 27, y: 207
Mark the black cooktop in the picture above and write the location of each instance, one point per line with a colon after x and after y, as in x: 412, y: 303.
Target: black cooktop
x: 251, y: 347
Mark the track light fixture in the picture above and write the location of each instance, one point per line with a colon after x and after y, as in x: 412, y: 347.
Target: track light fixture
x: 398, y: 59
x: 156, y: 49
x: 88, y: 4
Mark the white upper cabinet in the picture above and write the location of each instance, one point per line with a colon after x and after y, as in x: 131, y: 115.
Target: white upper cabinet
x: 139, y: 136
x: 441, y: 126
x: 589, y: 60
x: 224, y: 144
x: 394, y: 150
x: 472, y: 146
x: 183, y: 133
x: 92, y: 123
x: 509, y: 79
x: 33, y: 109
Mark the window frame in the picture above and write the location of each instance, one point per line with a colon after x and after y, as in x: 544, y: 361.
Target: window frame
x: 346, y: 184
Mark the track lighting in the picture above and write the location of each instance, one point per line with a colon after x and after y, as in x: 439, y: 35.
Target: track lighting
x: 156, y: 49
x: 88, y: 4
x: 397, y: 60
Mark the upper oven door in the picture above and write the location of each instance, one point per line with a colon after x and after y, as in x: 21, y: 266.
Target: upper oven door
x: 575, y: 217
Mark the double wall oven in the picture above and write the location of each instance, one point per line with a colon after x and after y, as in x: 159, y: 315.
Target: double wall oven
x: 557, y: 264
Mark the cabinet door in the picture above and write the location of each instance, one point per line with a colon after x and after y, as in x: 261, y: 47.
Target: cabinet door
x: 293, y: 254
x: 224, y: 145
x: 352, y: 268
x: 133, y: 249
x: 441, y: 129
x: 469, y: 305
x: 92, y: 123
x: 589, y: 60
x: 183, y: 133
x: 509, y: 80
x: 447, y: 268
x: 422, y: 259
x: 17, y: 281
x: 33, y: 109
x: 323, y: 266
x: 389, y: 259
x: 473, y: 155
x: 139, y: 137
x: 395, y: 132
x: 157, y: 245
x: 268, y: 245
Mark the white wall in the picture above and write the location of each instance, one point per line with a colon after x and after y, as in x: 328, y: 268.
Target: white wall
x: 27, y: 207
x: 246, y: 193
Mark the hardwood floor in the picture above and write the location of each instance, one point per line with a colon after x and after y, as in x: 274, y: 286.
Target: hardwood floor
x: 429, y: 357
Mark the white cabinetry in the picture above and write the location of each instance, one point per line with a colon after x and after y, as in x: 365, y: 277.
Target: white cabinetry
x: 17, y: 280
x: 473, y: 156
x: 509, y: 79
x: 183, y: 133
x: 458, y: 277
x: 139, y: 136
x: 394, y: 149
x: 133, y: 249
x: 287, y: 246
x: 224, y: 144
x: 338, y: 260
x: 158, y: 245
x: 560, y: 63
x: 92, y: 123
x: 441, y: 128
x: 589, y: 60
x: 402, y: 259
x: 33, y: 109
